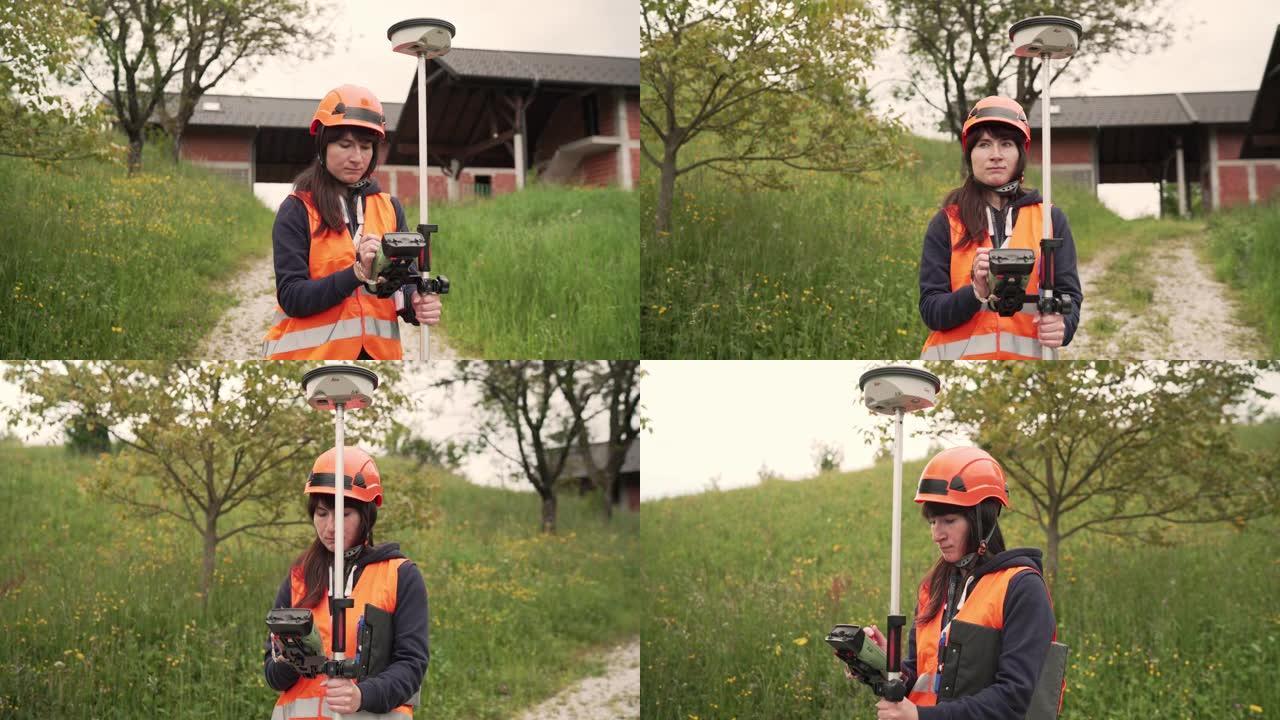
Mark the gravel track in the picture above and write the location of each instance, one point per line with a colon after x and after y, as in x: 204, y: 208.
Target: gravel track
x: 612, y: 696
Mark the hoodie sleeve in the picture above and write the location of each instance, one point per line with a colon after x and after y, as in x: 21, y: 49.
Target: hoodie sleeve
x: 940, y: 308
x: 280, y: 675
x: 1028, y: 630
x: 1065, y: 276
x: 403, y: 676
x: 298, y: 294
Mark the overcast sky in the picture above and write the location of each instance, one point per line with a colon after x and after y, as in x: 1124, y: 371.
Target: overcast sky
x: 1219, y: 45
x: 726, y: 419
x: 431, y: 413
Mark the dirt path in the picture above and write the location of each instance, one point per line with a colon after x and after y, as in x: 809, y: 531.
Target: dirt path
x: 613, y: 696
x: 1190, y: 316
x: 238, y: 334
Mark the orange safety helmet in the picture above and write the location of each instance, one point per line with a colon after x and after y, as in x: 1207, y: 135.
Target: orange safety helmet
x: 963, y: 476
x: 351, y: 106
x: 361, y: 480
x: 1001, y: 110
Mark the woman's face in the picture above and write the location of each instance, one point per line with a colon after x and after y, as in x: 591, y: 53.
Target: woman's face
x: 348, y: 157
x: 994, y: 160
x: 950, y: 534
x: 323, y: 520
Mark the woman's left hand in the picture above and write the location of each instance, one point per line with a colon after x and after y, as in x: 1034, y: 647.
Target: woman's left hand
x: 426, y: 307
x: 904, y: 710
x: 1052, y: 329
x: 342, y: 694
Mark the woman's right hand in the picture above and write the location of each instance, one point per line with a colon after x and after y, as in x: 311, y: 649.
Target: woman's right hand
x: 981, y: 272
x: 873, y: 633
x: 365, y: 255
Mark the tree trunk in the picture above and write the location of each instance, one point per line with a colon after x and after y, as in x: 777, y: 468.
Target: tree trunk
x: 666, y: 191
x: 176, y: 147
x: 549, y: 513
x: 135, y: 154
x: 1052, y: 540
x: 210, y: 554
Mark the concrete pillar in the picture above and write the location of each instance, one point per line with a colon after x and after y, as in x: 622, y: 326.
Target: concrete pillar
x: 519, y: 153
x: 1253, y: 183
x: 624, y: 141
x: 455, y: 169
x: 1182, y: 183
x: 1216, y: 193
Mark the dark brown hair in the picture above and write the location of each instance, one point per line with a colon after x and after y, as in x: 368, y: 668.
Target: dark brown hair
x: 969, y: 198
x: 940, y: 574
x: 326, y: 190
x: 314, y: 563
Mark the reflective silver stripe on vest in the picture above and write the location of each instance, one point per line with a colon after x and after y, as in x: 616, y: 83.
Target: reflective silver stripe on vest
x: 1025, y: 346
x: 924, y: 683
x: 313, y: 337
x: 973, y: 345
x: 311, y: 707
x: 383, y: 328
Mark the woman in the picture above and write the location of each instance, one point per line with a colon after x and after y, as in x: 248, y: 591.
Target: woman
x: 326, y: 236
x: 978, y: 596
x: 992, y: 210
x: 377, y: 575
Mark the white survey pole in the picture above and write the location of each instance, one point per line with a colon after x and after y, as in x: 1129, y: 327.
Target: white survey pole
x: 895, y: 572
x: 424, y: 38
x: 422, y: 177
x: 339, y: 520
x: 1046, y: 209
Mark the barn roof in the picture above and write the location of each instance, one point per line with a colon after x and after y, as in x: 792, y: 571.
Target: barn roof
x: 1227, y: 107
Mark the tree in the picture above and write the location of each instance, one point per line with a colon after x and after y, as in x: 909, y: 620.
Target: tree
x: 221, y: 447
x: 1123, y: 449
x: 221, y: 34
x: 39, y: 40
x: 519, y: 397
x: 827, y: 456
x: 149, y: 44
x: 961, y: 49
x: 616, y: 384
x: 774, y: 84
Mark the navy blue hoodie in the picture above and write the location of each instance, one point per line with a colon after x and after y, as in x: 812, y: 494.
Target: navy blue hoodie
x: 1028, y: 629
x: 403, y: 676
x: 298, y: 294
x: 942, y: 309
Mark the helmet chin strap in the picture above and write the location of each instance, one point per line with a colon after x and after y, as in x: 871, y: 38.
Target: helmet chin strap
x: 969, y: 561
x: 1008, y: 189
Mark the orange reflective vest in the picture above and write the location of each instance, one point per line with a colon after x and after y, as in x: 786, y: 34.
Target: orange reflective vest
x: 361, y: 320
x: 983, y: 606
x: 986, y: 335
x: 376, y: 586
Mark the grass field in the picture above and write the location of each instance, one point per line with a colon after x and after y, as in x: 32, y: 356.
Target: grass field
x: 98, y: 265
x: 1246, y: 253
x: 829, y: 269
x: 103, y: 619
x: 746, y: 583
x: 549, y: 272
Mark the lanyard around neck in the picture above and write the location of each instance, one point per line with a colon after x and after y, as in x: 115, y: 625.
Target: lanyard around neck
x: 999, y: 241
x: 346, y: 218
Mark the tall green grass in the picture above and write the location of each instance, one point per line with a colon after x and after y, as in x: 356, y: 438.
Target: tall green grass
x: 102, y: 615
x: 548, y: 272
x: 1245, y: 243
x: 828, y: 269
x: 99, y: 265
x: 746, y: 583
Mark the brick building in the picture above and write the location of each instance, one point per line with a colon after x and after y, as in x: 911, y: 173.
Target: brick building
x: 1179, y: 138
x: 492, y: 118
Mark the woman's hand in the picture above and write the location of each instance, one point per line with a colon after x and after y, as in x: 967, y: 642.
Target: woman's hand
x: 904, y: 710
x: 426, y: 307
x: 342, y: 694
x: 981, y: 272
x: 873, y: 633
x: 365, y: 255
x: 1052, y: 329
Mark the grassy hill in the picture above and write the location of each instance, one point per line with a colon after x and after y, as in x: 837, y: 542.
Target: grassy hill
x: 104, y: 620
x: 827, y: 269
x: 98, y: 265
x: 746, y: 583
